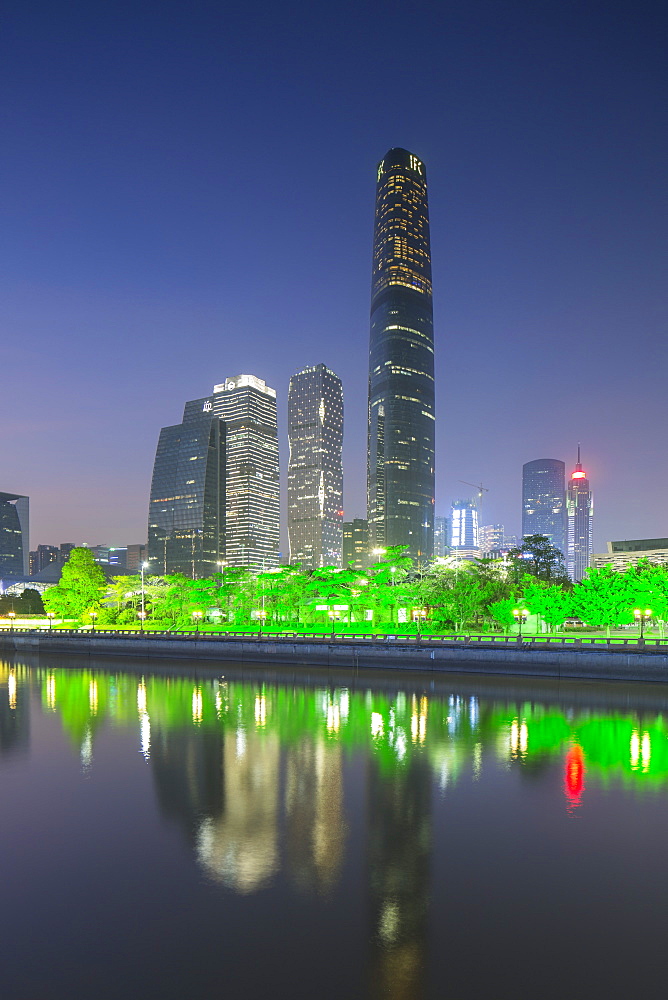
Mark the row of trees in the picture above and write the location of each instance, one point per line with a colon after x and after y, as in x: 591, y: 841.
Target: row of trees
x: 449, y: 596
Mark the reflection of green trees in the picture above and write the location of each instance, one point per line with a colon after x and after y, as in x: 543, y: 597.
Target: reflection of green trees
x: 448, y: 732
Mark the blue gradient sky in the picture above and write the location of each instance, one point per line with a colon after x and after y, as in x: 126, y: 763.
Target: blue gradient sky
x: 187, y: 193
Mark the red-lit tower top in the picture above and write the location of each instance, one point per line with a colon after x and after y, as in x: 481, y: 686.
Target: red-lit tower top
x: 579, y: 512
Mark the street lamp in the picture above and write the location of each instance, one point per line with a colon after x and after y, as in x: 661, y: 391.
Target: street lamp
x: 93, y: 616
x: 141, y: 615
x: 261, y: 616
x: 50, y: 615
x: 144, y: 566
x: 520, y: 615
x: 11, y: 615
x: 377, y: 553
x: 197, y: 616
x: 332, y: 618
x: 642, y: 615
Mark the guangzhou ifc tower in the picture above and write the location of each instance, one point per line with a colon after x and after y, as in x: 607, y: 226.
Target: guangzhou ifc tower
x: 400, y: 473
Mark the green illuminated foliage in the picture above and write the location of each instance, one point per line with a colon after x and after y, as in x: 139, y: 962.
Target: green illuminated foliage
x: 81, y: 587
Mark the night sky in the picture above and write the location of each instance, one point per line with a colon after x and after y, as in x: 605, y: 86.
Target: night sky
x: 188, y: 193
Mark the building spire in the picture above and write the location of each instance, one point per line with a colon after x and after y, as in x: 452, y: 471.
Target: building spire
x: 578, y: 467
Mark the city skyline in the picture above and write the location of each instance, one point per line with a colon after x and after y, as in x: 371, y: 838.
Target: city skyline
x: 149, y: 237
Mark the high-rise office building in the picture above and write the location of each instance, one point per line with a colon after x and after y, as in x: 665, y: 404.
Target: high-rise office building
x: 543, y: 500
x: 14, y: 535
x: 186, y: 520
x: 441, y: 537
x: 215, y: 490
x: 464, y: 534
x: 400, y: 473
x: 580, y: 512
x: 315, y: 472
x: 492, y: 538
x: 356, y: 543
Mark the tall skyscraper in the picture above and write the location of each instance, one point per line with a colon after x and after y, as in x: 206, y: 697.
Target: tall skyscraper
x: 315, y: 472
x: 543, y: 500
x: 464, y: 534
x: 356, y: 543
x: 400, y: 473
x: 186, y: 521
x: 215, y: 490
x: 580, y: 510
x: 14, y: 535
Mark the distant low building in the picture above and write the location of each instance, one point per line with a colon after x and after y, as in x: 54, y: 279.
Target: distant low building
x: 622, y: 554
x: 356, y: 543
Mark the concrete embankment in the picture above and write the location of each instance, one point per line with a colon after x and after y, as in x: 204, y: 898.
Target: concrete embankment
x: 527, y: 659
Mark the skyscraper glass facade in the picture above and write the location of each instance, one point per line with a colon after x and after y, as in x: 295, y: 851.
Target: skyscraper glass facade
x: 215, y: 490
x: 356, y: 543
x: 543, y: 500
x: 580, y: 511
x: 186, y: 521
x: 247, y: 405
x: 14, y: 539
x: 315, y: 472
x: 400, y: 474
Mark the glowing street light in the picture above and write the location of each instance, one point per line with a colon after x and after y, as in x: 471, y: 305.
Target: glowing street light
x: 642, y: 615
x: 11, y: 615
x: 50, y: 615
x: 93, y: 616
x: 261, y: 615
x: 378, y: 553
x: 141, y: 615
x: 197, y: 617
x: 144, y: 566
x: 520, y: 615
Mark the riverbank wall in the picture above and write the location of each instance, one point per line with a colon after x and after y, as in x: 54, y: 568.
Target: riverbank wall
x: 600, y: 661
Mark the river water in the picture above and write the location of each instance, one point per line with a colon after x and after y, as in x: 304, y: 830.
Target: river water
x: 184, y: 834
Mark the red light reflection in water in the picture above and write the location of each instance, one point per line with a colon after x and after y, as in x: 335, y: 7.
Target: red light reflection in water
x: 574, y: 772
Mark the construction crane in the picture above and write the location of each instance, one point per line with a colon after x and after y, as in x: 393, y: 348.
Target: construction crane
x: 480, y: 488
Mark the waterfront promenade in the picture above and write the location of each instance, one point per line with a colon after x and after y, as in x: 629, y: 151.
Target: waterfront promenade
x: 549, y: 657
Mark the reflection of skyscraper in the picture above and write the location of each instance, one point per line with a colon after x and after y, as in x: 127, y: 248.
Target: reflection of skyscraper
x: 400, y: 482
x: 543, y: 496
x: 188, y: 769
x: 580, y: 510
x: 315, y: 474
x: 315, y: 828
x: 14, y: 713
x: 239, y: 847
x: 399, y: 854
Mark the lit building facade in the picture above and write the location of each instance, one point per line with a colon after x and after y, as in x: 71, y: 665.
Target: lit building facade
x: 14, y: 535
x: 580, y: 512
x: 464, y: 534
x: 315, y: 471
x: 356, y: 543
x: 544, y: 500
x: 215, y: 490
x: 492, y: 538
x: 400, y: 472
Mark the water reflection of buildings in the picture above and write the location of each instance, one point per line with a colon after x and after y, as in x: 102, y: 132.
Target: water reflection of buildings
x: 239, y: 846
x: 315, y: 825
x: 14, y: 713
x: 399, y: 848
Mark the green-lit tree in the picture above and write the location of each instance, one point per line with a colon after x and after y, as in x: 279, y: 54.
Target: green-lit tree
x: 80, y: 589
x: 550, y: 602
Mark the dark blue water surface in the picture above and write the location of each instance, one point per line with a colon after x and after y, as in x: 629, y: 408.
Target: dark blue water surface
x: 182, y: 833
